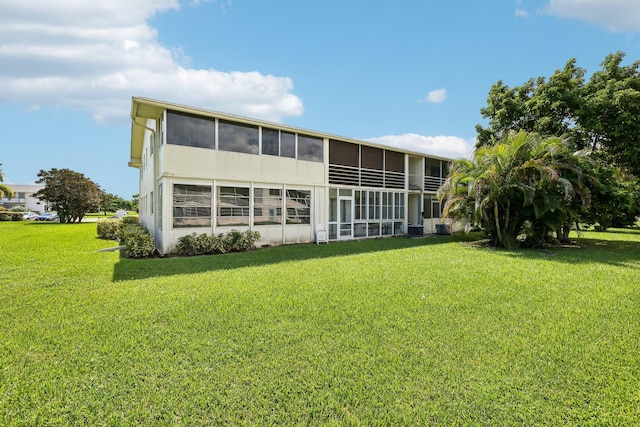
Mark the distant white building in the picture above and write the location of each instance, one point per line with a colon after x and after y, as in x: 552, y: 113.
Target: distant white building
x: 208, y: 172
x: 23, y: 197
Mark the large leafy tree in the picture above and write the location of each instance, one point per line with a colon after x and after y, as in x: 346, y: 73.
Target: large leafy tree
x: 615, y: 198
x: 4, y: 189
x: 69, y: 193
x: 601, y: 114
x: 112, y: 202
x: 523, y: 184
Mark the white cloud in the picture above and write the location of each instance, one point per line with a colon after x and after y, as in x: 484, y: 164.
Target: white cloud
x: 436, y: 96
x: 521, y: 13
x: 452, y: 147
x: 615, y: 15
x: 95, y: 55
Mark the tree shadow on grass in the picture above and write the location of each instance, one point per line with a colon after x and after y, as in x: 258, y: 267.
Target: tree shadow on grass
x: 614, y: 248
x: 132, y: 269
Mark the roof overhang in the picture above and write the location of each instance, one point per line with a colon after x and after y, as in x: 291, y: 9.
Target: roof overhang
x: 141, y: 110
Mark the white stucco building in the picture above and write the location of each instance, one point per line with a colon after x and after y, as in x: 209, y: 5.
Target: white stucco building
x: 208, y: 172
x: 23, y: 197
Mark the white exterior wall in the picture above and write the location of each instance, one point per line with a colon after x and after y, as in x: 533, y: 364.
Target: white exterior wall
x: 148, y: 199
x: 170, y: 164
x: 28, y: 201
x: 200, y: 166
x: 202, y: 163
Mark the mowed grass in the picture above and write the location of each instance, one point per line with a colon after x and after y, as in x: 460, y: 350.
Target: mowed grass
x: 433, y: 331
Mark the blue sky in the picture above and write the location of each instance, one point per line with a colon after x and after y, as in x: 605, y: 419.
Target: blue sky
x: 408, y: 73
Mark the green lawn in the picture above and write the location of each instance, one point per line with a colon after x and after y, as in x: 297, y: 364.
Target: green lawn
x: 433, y: 331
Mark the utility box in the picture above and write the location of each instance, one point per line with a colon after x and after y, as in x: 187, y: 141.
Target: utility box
x: 443, y: 229
x: 416, y: 230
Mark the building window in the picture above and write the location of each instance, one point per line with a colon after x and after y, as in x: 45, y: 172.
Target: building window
x: 432, y: 167
x: 431, y: 207
x: 344, y: 153
x: 393, y: 161
x: 298, y: 207
x: 192, y: 131
x: 191, y: 205
x: 372, y: 158
x: 236, y: 137
x: 233, y: 206
x: 310, y: 148
x: 387, y: 205
x: 374, y: 205
x: 270, y: 142
x: 360, y: 205
x: 288, y: 144
x: 398, y: 205
x: 267, y: 206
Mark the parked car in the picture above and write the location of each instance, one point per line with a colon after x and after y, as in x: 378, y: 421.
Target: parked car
x: 47, y: 216
x: 29, y: 215
x: 120, y: 213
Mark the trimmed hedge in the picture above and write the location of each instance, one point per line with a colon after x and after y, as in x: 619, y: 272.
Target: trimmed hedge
x: 11, y: 216
x: 138, y: 242
x: 110, y: 229
x: 207, y: 244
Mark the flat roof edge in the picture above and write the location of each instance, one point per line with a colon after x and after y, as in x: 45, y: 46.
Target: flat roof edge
x: 260, y: 122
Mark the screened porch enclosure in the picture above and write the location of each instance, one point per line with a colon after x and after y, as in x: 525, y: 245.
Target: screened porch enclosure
x: 355, y: 213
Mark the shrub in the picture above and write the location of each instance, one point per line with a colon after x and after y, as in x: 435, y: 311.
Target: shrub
x: 11, y: 216
x: 110, y: 229
x: 18, y: 209
x: 193, y: 244
x: 205, y: 244
x: 242, y: 241
x: 138, y: 242
x: 219, y: 244
x: 127, y: 220
x: 202, y: 244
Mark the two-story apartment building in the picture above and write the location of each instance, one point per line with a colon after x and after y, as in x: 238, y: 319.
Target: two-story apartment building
x: 23, y: 197
x: 209, y: 172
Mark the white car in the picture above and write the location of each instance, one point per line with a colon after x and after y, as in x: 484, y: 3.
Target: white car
x: 47, y: 216
x: 29, y: 215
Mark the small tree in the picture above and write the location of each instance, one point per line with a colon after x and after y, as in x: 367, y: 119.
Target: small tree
x: 523, y: 183
x: 4, y: 189
x: 69, y: 193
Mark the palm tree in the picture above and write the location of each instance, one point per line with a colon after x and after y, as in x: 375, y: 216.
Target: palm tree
x: 521, y: 180
x: 4, y: 190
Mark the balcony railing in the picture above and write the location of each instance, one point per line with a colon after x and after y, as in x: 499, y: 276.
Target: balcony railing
x: 361, y: 177
x: 432, y: 183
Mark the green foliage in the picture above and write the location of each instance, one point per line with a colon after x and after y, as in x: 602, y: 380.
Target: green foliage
x: 204, y: 244
x: 19, y: 209
x: 615, y: 198
x: 130, y: 219
x: 69, y: 193
x: 138, y: 242
x: 11, y: 216
x: 111, y: 203
x: 5, y: 191
x: 242, y: 241
x: 399, y: 332
x: 522, y: 179
x: 110, y: 228
x: 599, y: 115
